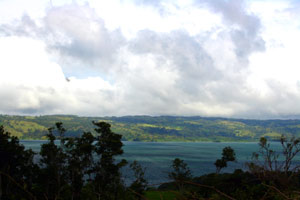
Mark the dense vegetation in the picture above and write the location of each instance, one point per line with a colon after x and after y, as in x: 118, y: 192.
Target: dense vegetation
x: 163, y: 128
x: 77, y: 168
x: 84, y: 167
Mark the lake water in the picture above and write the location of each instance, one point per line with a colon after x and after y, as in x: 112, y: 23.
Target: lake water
x: 157, y: 156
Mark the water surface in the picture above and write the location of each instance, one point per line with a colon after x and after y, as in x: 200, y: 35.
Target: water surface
x: 157, y: 156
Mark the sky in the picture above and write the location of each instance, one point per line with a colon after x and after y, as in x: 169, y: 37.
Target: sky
x: 211, y: 58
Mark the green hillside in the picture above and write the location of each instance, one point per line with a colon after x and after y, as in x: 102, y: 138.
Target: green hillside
x: 163, y: 128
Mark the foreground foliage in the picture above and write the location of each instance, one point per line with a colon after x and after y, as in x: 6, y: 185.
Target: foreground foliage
x: 78, y: 168
x: 81, y: 168
x: 271, y: 175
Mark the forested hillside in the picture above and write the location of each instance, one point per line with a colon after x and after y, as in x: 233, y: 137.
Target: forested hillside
x: 163, y: 128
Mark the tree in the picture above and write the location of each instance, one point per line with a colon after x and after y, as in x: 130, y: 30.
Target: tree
x: 79, y: 153
x: 78, y: 168
x: 140, y: 184
x: 17, y: 170
x: 228, y: 155
x: 61, y: 131
x: 106, y: 169
x: 53, y: 177
x: 277, y: 170
x: 290, y: 150
x: 280, y: 173
x: 180, y: 173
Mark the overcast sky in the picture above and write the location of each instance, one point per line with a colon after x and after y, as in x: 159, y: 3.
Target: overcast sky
x: 229, y: 58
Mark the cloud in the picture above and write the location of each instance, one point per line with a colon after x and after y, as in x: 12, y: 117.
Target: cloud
x: 25, y: 27
x: 30, y: 83
x: 192, y: 82
x: 74, y: 33
x: 245, y: 27
x: 228, y: 68
x: 77, y: 32
x: 181, y: 53
x: 242, y: 26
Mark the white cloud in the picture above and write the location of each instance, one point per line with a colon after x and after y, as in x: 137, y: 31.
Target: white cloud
x: 31, y: 83
x: 231, y: 58
x: 14, y: 9
x: 25, y: 61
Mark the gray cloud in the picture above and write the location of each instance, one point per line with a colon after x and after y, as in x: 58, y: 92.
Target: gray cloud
x: 199, y: 80
x: 26, y: 99
x: 77, y: 31
x: 246, y: 36
x: 244, y: 26
x: 73, y: 32
x: 24, y: 27
x: 153, y: 73
x: 183, y: 52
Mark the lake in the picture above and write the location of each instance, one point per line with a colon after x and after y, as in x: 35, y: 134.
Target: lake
x: 157, y: 156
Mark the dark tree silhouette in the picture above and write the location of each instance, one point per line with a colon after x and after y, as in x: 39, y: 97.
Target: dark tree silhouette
x: 53, y: 168
x: 80, y: 160
x: 228, y: 155
x: 17, y: 170
x: 279, y: 169
x: 180, y: 173
x: 107, y: 170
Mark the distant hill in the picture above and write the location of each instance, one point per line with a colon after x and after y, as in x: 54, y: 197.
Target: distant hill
x: 163, y: 128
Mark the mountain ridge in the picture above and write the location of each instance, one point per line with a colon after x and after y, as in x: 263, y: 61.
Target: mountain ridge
x: 157, y: 128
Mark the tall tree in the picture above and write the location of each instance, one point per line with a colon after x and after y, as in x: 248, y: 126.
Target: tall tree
x: 53, y: 168
x: 79, y: 162
x: 107, y: 170
x: 17, y: 169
